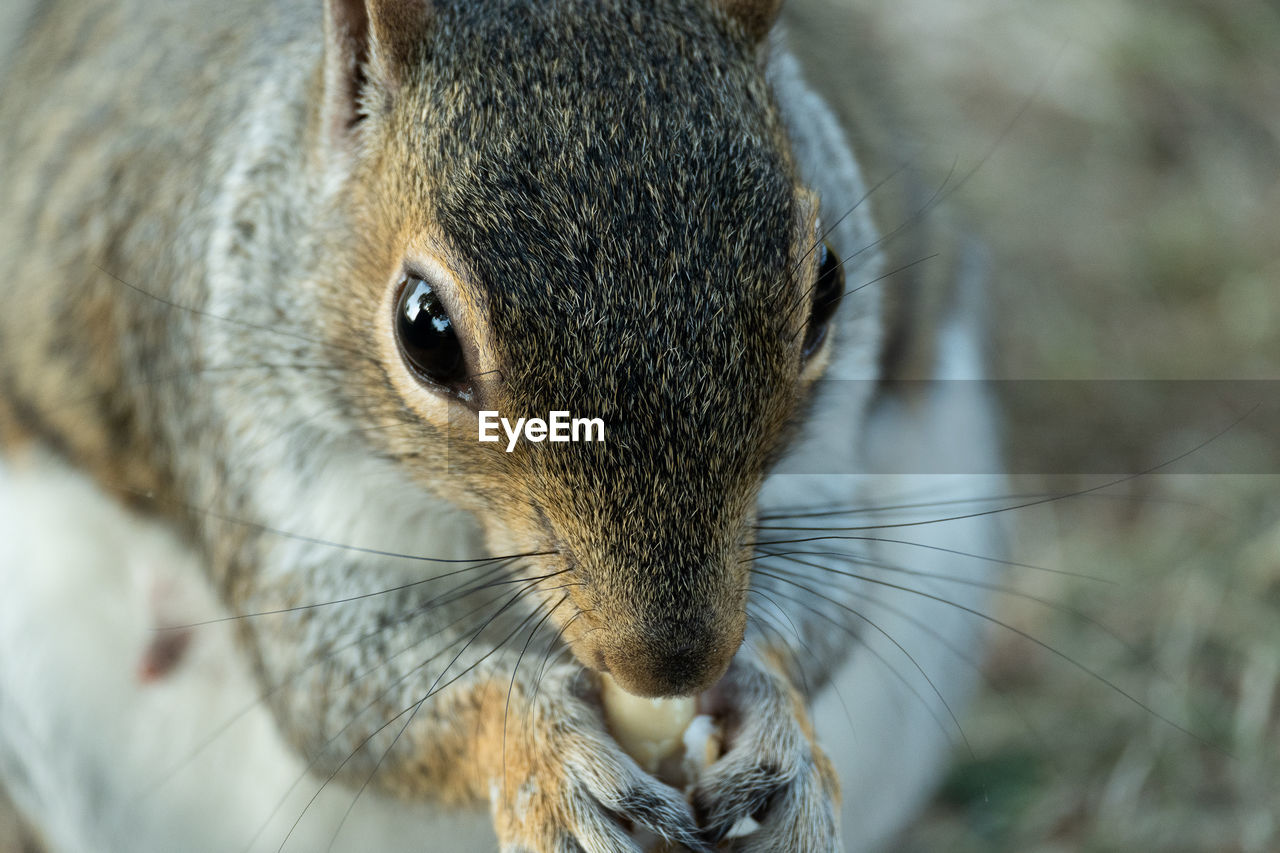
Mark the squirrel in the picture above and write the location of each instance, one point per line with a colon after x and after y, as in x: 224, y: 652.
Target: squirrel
x: 266, y: 263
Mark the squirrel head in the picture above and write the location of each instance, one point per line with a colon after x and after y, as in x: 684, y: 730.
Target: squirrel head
x: 586, y: 206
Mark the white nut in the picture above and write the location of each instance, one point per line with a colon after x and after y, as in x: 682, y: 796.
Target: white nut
x: 666, y: 737
x: 648, y: 730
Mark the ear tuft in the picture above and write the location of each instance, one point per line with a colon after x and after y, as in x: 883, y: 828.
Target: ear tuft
x: 755, y: 16
x: 399, y: 28
x: 367, y: 43
x: 346, y: 56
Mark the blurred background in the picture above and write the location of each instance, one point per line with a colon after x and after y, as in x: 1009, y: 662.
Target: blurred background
x: 1121, y: 164
x: 1125, y: 160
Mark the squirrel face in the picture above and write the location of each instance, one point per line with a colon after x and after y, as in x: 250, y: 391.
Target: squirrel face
x: 597, y: 210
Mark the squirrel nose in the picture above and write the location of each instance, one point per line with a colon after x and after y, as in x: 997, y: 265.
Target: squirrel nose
x: 677, y: 660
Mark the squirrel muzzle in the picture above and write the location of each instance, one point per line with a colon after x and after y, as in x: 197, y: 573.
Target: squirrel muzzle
x: 673, y: 657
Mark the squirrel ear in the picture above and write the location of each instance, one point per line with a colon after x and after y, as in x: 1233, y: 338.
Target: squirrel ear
x: 755, y: 16
x: 367, y: 43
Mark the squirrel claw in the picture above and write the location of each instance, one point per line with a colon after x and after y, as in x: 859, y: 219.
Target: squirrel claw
x: 773, y: 774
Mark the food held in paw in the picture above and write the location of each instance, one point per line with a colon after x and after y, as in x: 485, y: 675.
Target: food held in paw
x: 649, y: 730
x: 667, y: 737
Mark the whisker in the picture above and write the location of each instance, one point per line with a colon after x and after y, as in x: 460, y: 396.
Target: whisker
x: 888, y: 637
x: 964, y: 658
x: 150, y: 495
x: 873, y: 280
x: 374, y: 701
x: 826, y: 232
x: 886, y: 275
x: 411, y: 708
x: 557, y: 637
x: 298, y: 820
x: 940, y: 192
x: 360, y: 712
x: 1042, y: 644
x: 177, y: 376
x: 943, y: 191
x: 942, y: 726
x: 431, y: 691
x: 548, y: 658
x: 786, y: 644
x: 803, y: 299
x: 835, y: 688
x: 480, y: 564
x: 1041, y: 501
x: 969, y: 582
x: 938, y: 548
x: 467, y: 589
x: 506, y: 708
x: 244, y: 324
x: 803, y: 512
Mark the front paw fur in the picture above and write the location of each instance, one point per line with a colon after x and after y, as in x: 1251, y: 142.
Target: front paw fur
x: 773, y: 771
x: 563, y: 785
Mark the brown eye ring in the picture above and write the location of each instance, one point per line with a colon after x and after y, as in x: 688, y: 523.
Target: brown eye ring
x: 825, y: 294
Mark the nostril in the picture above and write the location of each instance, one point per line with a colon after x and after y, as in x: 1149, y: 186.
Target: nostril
x: 664, y: 665
x: 682, y: 655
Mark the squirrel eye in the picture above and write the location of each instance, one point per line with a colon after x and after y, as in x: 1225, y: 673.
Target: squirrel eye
x: 825, y: 293
x: 428, y: 341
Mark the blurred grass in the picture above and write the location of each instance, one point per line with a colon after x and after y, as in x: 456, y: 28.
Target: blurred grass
x: 1132, y: 212
x: 1064, y: 762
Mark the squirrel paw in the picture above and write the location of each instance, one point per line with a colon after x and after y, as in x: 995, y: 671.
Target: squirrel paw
x: 773, y: 771
x: 569, y: 787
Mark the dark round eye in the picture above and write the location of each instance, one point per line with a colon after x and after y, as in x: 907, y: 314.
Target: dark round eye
x: 428, y: 341
x: 825, y: 295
